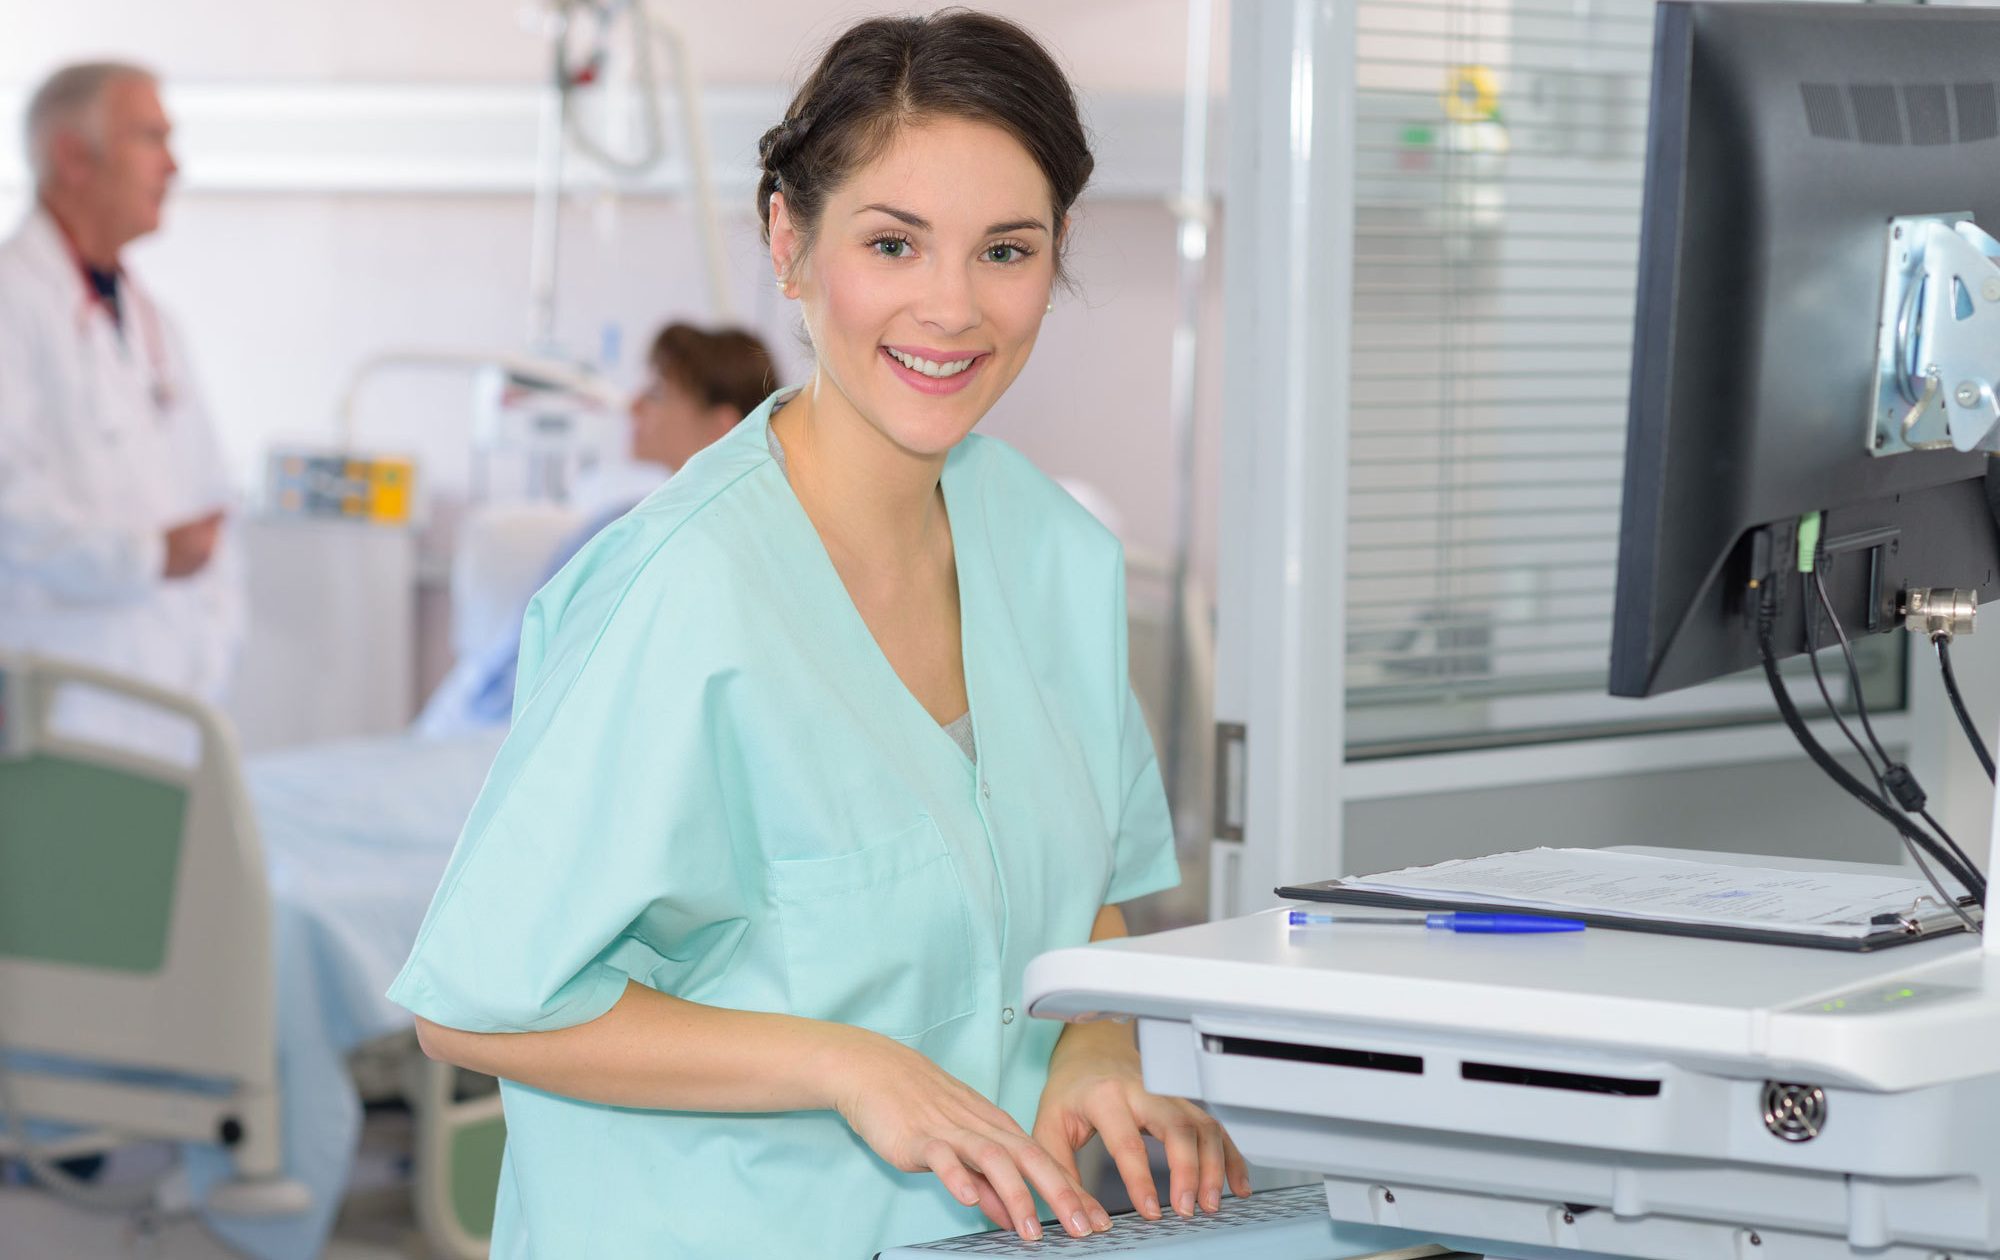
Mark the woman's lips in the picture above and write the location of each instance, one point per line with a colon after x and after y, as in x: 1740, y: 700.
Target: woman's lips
x: 934, y: 385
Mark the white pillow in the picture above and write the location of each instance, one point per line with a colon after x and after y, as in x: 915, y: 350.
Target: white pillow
x: 504, y: 552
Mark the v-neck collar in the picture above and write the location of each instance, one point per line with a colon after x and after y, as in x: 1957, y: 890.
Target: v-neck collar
x: 817, y: 566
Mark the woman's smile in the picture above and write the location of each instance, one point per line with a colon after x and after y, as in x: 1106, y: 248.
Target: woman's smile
x: 931, y: 371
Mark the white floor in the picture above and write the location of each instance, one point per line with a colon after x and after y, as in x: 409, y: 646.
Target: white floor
x: 34, y: 1226
x: 376, y: 1222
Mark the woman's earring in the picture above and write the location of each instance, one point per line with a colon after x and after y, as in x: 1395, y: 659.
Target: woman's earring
x: 1050, y: 309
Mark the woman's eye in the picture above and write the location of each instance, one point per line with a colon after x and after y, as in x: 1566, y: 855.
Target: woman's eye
x: 890, y: 247
x: 1004, y: 254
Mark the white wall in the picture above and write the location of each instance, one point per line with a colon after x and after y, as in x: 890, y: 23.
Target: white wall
x: 281, y: 289
x: 1109, y: 45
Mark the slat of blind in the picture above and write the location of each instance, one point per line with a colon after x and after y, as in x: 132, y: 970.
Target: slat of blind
x: 1609, y: 267
x: 1509, y: 457
x: 1392, y: 142
x: 1491, y: 514
x: 1380, y: 63
x: 1401, y: 601
x: 1371, y: 31
x: 1515, y: 235
x: 1490, y: 655
x: 1616, y: 15
x: 1384, y: 95
x: 1495, y: 431
x: 1580, y: 374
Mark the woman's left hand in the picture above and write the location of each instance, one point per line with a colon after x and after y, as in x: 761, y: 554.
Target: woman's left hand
x: 1096, y: 1088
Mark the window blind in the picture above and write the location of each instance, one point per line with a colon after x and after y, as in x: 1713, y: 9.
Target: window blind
x: 1499, y: 154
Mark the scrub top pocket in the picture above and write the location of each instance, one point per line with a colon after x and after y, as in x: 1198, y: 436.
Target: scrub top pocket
x: 880, y: 937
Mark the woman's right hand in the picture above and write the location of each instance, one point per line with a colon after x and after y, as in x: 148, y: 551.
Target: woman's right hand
x: 919, y: 1117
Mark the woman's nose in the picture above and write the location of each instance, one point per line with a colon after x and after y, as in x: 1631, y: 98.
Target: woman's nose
x: 949, y: 303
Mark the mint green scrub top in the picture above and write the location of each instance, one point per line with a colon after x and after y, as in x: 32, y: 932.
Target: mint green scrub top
x: 717, y: 786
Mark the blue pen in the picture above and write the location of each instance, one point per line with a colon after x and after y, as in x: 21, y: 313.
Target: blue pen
x: 1502, y: 924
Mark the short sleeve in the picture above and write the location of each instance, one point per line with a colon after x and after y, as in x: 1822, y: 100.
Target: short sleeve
x: 599, y: 851
x: 1144, y: 860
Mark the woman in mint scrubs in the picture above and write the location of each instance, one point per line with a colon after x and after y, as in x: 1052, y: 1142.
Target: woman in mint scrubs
x: 817, y: 747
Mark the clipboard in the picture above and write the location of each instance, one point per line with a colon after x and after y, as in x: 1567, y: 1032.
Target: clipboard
x: 1906, y: 929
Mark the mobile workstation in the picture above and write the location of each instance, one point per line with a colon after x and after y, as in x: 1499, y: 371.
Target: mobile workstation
x: 1813, y: 414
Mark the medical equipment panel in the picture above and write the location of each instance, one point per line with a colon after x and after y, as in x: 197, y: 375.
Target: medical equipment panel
x: 378, y: 489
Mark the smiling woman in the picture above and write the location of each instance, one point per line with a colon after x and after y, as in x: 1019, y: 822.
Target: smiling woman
x: 822, y: 743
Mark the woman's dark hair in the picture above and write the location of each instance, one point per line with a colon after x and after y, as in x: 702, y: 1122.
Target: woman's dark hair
x: 888, y: 71
x: 728, y: 367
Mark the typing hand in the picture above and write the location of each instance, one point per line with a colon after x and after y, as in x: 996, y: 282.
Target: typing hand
x: 191, y: 546
x: 1099, y: 1090
x: 919, y: 1117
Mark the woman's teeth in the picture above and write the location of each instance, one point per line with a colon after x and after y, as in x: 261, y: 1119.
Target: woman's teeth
x: 928, y: 368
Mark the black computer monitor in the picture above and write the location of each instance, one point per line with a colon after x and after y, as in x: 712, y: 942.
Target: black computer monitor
x: 1784, y: 140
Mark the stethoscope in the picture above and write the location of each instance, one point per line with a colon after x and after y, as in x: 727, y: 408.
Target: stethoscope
x: 143, y: 316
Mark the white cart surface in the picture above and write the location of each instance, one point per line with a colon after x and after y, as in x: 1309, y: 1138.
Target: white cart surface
x: 1596, y: 1093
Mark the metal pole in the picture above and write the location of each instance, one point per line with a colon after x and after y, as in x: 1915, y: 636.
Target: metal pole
x: 1192, y: 211
x: 546, y: 231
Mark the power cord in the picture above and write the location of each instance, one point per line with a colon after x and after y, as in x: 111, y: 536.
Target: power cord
x: 1894, y: 778
x: 1876, y: 772
x: 1943, y: 644
x: 1767, y: 650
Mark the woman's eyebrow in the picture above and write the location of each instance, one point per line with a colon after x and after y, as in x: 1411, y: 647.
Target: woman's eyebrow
x: 922, y: 224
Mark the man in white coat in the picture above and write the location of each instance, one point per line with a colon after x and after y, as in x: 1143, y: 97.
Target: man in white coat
x: 113, y: 546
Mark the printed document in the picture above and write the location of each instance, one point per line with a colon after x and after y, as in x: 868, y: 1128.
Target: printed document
x: 1674, y: 890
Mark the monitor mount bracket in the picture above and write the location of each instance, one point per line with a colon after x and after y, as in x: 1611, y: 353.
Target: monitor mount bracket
x: 1937, y: 375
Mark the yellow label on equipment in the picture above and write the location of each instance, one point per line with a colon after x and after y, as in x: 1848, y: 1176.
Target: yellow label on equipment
x: 378, y: 489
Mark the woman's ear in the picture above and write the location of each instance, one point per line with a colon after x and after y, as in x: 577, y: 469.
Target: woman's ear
x: 784, y: 246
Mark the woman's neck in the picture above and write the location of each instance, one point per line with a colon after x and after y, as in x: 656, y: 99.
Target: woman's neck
x: 868, y: 497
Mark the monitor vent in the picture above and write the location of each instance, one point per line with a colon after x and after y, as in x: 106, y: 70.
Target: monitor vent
x: 1826, y: 111
x: 1875, y: 113
x: 1978, y: 116
x: 1876, y: 116
x: 1929, y: 112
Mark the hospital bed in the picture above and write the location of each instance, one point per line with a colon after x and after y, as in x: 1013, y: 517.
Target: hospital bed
x: 134, y: 930
x: 190, y: 952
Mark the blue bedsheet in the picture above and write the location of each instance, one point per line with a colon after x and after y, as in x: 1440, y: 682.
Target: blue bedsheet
x: 356, y: 836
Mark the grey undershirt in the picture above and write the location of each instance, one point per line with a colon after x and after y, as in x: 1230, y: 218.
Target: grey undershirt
x: 960, y: 729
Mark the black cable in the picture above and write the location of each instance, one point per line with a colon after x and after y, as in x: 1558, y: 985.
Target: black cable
x: 1894, y: 778
x: 1812, y: 656
x: 1936, y: 884
x: 1853, y: 670
x: 1967, y: 877
x: 1875, y: 772
x: 1958, y: 705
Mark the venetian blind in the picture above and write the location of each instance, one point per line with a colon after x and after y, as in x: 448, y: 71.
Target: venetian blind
x: 1499, y: 154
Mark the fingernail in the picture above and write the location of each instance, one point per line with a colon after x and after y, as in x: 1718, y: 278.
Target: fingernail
x: 1151, y: 1206
x: 1214, y: 1201
x: 966, y: 1194
x: 1185, y: 1205
x: 1031, y: 1230
x: 1099, y: 1219
x: 1080, y: 1223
